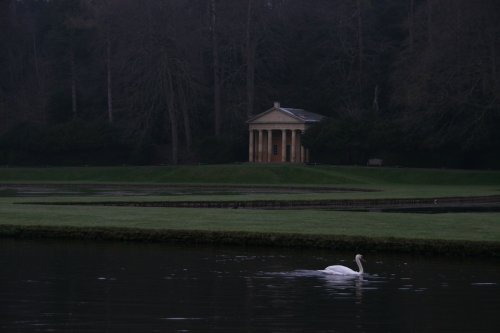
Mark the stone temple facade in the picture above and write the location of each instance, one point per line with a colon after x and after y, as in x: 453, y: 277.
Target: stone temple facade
x: 275, y: 136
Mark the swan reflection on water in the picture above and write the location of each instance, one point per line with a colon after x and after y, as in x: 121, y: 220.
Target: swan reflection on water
x: 343, y: 284
x: 348, y: 286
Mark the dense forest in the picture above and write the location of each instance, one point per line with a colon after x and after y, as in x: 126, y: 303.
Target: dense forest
x: 96, y: 82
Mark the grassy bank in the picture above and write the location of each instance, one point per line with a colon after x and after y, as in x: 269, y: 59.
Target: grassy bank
x: 449, y: 234
x: 331, y: 242
x: 459, y: 231
x: 473, y: 227
x: 253, y: 174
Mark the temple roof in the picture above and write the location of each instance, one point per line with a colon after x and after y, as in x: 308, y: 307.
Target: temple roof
x: 298, y: 114
x: 308, y: 117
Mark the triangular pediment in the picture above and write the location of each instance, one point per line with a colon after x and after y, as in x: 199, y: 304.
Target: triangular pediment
x: 274, y: 116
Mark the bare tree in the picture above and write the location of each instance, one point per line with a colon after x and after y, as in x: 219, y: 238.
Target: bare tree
x: 250, y: 59
x: 429, y: 14
x: 109, y: 78
x: 411, y: 25
x: 171, y: 110
x: 73, y: 79
x: 359, y: 16
x: 217, y: 82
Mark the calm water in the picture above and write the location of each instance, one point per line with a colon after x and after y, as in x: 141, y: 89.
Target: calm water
x: 49, y: 286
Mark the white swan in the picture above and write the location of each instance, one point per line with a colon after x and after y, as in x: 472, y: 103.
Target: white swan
x: 342, y: 270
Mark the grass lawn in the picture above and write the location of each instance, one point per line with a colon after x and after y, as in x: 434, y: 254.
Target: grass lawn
x: 476, y: 227
x: 390, y: 183
x: 253, y: 174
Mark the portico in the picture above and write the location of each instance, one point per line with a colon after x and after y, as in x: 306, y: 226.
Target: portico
x: 275, y: 136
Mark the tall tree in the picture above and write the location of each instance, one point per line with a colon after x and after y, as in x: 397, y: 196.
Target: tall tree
x: 250, y: 59
x: 217, y: 82
x: 359, y: 16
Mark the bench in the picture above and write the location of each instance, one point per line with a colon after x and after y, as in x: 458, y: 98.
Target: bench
x: 374, y: 162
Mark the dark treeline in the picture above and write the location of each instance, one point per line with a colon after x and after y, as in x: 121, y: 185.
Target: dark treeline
x: 415, y: 82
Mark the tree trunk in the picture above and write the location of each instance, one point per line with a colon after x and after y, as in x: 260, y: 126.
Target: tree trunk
x: 250, y: 58
x: 411, y: 25
x: 185, y: 115
x: 35, y: 62
x: 360, y: 42
x: 39, y: 80
x: 73, y: 81
x: 429, y: 22
x: 170, y: 95
x: 494, y: 73
x: 216, y: 71
x: 13, y: 12
x: 375, y: 105
x: 109, y: 78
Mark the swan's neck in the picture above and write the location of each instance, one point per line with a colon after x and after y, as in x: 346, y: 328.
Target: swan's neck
x: 360, y: 267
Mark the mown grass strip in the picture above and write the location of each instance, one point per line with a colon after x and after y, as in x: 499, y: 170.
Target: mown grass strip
x: 463, y: 226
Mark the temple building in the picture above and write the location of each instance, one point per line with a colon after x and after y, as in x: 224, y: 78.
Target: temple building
x: 275, y: 136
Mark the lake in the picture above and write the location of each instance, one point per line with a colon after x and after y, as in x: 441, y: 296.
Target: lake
x: 80, y: 286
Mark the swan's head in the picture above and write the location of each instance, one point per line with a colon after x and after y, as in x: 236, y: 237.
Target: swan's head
x: 359, y: 257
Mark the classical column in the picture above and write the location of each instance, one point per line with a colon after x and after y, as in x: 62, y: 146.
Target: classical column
x: 259, y: 153
x: 307, y: 155
x: 293, y: 147
x: 283, y: 145
x: 301, y: 148
x: 250, y: 146
x: 269, y: 145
